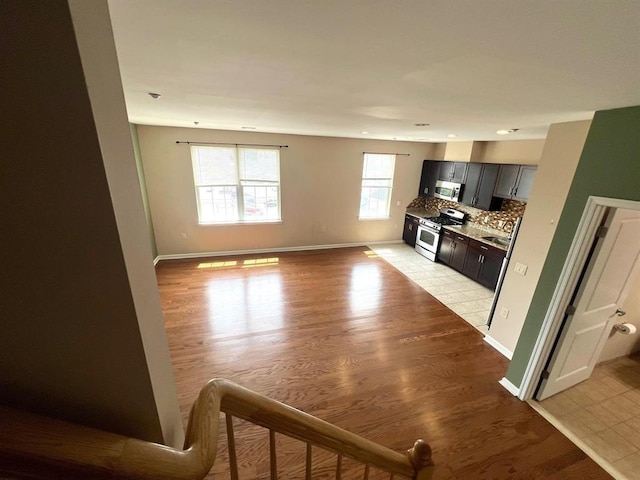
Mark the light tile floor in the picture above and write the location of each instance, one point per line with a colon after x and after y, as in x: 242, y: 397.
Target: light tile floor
x: 468, y: 299
x: 604, y: 413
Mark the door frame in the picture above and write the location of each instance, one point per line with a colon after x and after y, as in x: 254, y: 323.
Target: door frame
x: 594, y: 212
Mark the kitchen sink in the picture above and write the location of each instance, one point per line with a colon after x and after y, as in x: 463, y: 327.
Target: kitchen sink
x: 499, y: 240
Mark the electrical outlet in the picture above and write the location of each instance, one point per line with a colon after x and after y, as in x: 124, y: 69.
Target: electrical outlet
x: 323, y: 228
x: 521, y: 268
x: 183, y: 235
x: 398, y: 203
x: 504, y: 312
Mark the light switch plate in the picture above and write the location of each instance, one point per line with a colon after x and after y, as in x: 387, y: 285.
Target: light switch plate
x: 521, y: 268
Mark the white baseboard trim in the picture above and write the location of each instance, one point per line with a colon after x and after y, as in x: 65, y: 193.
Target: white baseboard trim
x: 155, y: 261
x: 385, y: 242
x: 225, y: 253
x: 509, y: 387
x: 498, y: 346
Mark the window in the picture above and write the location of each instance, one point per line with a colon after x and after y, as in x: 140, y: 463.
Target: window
x: 377, y: 181
x: 236, y: 184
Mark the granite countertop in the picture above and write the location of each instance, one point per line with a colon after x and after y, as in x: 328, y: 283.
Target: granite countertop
x: 477, y: 234
x: 421, y: 212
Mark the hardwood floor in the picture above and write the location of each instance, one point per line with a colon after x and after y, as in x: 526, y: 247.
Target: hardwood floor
x: 344, y: 336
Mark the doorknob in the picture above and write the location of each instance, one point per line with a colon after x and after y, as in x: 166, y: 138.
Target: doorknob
x: 620, y: 313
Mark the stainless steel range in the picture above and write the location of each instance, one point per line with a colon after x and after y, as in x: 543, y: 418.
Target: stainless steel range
x: 428, y: 238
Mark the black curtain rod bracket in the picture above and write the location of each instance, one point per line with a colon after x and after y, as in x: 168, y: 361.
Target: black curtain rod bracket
x: 232, y: 144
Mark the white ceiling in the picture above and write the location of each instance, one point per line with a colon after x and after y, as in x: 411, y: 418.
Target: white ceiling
x: 340, y: 67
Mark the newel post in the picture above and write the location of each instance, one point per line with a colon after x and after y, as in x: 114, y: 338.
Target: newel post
x: 420, y: 458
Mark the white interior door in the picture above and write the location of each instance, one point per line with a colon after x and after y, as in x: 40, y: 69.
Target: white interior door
x: 601, y: 294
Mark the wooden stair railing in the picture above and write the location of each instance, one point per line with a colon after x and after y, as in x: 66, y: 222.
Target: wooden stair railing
x: 38, y: 447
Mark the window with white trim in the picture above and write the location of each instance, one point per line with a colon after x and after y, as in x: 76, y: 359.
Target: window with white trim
x: 235, y: 185
x: 377, y: 182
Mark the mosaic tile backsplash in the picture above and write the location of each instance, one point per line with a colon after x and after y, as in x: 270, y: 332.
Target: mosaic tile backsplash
x: 511, y: 210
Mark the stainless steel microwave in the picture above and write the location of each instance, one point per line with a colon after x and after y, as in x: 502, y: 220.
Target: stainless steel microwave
x: 448, y: 190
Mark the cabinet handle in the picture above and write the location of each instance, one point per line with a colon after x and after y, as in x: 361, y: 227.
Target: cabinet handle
x: 410, y: 227
x: 482, y: 259
x: 479, y: 258
x: 461, y: 239
x: 484, y: 248
x: 514, y: 191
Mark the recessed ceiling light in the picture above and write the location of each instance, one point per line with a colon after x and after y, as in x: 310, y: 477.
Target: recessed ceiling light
x: 422, y: 139
x: 452, y: 135
x: 507, y: 132
x: 155, y: 96
x: 420, y: 124
x: 248, y: 128
x: 364, y: 132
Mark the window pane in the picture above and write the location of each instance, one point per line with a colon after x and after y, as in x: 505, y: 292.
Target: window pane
x: 217, y: 204
x: 261, y: 203
x: 377, y: 180
x: 259, y: 165
x: 214, y: 166
x: 378, y: 165
x: 374, y: 202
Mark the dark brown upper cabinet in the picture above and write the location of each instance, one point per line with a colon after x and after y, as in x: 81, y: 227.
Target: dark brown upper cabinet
x: 479, y: 186
x: 515, y: 182
x: 429, y: 177
x: 453, y: 171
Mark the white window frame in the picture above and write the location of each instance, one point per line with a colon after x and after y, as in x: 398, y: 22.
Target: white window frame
x: 240, y: 186
x: 364, y: 188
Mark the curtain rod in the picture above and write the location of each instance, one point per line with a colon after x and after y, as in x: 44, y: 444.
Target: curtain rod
x: 236, y: 144
x: 380, y: 153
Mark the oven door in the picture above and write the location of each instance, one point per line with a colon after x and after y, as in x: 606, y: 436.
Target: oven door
x: 427, y: 241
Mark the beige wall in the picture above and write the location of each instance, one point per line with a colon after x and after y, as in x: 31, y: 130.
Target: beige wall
x: 102, y: 74
x: 524, y: 152
x: 556, y: 168
x: 70, y: 345
x: 458, y: 151
x: 320, y: 178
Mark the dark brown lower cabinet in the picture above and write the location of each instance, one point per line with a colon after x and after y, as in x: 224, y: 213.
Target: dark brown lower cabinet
x: 483, y: 263
x: 410, y: 229
x: 453, y: 249
x: 476, y: 260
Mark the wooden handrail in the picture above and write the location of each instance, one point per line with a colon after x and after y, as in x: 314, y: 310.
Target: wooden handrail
x: 37, y: 447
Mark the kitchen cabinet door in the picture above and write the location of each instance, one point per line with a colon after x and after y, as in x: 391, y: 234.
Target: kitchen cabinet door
x: 410, y: 230
x: 459, y: 254
x: 459, y: 172
x: 446, y: 247
x: 453, y: 172
x: 515, y: 181
x: 473, y: 261
x: 524, y: 184
x: 479, y: 186
x: 484, y: 263
x: 470, y: 190
x: 484, y: 194
x: 507, y: 178
x: 430, y: 174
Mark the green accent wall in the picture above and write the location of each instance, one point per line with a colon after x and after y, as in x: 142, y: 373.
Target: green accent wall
x: 143, y: 188
x: 609, y: 167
